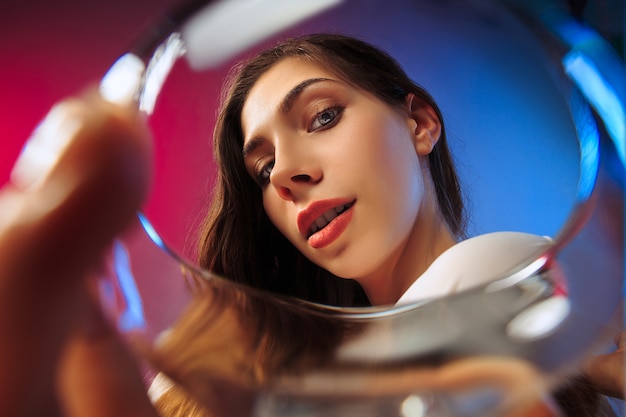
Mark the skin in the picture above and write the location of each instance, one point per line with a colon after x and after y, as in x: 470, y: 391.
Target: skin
x: 334, y: 141
x: 57, y: 355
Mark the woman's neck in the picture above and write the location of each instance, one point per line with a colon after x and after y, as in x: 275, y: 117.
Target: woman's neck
x: 429, y: 238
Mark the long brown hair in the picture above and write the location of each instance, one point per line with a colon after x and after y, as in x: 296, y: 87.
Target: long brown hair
x: 238, y: 241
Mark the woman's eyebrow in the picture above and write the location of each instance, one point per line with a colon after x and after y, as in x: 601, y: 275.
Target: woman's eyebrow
x: 251, y: 146
x: 295, y: 92
x: 285, y: 107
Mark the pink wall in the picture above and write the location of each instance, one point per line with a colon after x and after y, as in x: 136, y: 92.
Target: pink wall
x: 52, y: 49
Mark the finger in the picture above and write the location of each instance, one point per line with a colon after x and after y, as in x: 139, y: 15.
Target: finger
x: 78, y: 183
x: 98, y: 377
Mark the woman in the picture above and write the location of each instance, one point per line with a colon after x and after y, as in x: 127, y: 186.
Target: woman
x: 82, y: 364
x: 414, y: 176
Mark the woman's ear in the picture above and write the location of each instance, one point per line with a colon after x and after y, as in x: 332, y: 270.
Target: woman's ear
x: 425, y: 124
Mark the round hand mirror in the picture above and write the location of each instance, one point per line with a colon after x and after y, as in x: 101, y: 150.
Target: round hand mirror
x: 534, y: 116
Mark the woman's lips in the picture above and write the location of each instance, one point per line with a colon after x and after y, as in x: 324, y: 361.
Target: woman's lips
x: 322, y: 222
x: 331, y: 231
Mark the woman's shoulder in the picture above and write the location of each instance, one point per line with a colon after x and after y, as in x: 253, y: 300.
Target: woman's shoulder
x: 476, y: 261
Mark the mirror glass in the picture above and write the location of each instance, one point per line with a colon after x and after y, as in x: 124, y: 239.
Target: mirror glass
x: 526, y: 145
x: 508, y: 125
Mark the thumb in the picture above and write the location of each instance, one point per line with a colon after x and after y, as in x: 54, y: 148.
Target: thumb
x: 97, y: 375
x: 77, y: 184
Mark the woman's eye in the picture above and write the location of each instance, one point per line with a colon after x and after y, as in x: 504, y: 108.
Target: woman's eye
x: 263, y: 174
x: 325, y: 118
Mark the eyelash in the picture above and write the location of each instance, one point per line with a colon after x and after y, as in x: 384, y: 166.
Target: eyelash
x: 262, y: 174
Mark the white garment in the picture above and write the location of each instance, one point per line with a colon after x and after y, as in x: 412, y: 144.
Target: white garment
x: 476, y: 261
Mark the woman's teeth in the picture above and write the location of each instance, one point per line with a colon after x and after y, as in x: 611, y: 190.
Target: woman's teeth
x: 327, y: 217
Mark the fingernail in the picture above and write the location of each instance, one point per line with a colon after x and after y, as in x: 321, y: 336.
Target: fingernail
x: 11, y: 207
x: 45, y: 146
x: 122, y: 82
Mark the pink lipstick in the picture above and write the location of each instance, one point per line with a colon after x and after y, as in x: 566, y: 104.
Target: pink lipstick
x: 322, y: 222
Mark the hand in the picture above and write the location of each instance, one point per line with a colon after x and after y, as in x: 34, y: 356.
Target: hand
x: 77, y: 184
x: 606, y: 372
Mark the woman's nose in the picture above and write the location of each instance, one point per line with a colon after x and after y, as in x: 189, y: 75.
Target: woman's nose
x: 294, y: 173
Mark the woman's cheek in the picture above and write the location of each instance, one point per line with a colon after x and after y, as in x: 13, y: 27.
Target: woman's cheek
x: 277, y: 213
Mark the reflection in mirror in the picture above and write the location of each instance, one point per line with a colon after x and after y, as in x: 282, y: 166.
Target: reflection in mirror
x: 503, y: 112
x: 479, y: 327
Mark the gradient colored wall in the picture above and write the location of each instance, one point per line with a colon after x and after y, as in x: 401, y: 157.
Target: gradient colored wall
x: 507, y: 123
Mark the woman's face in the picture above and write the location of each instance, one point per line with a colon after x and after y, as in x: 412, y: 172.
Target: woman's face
x: 339, y: 169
